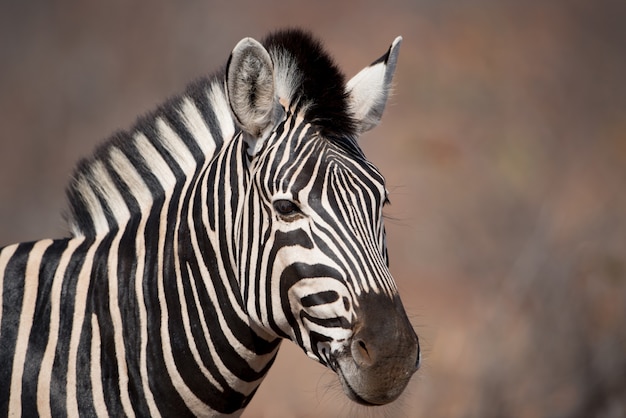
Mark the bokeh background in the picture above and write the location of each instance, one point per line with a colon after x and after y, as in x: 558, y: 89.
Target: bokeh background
x: 504, y: 147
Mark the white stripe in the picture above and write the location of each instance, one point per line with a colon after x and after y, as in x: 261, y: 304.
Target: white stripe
x: 109, y: 191
x: 44, y: 383
x: 222, y: 111
x: 94, y: 208
x: 29, y: 299
x: 176, y: 147
x: 155, y: 162
x: 127, y: 172
x: 96, y: 373
x: 80, y: 303
x: 197, y: 127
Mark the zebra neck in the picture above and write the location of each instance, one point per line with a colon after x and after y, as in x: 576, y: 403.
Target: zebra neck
x: 200, y: 334
x: 178, y: 178
x: 135, y: 171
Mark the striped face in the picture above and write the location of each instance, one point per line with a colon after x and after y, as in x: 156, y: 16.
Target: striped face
x: 312, y: 255
x: 316, y: 258
x: 318, y: 217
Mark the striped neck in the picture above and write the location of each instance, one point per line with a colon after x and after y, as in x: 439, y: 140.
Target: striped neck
x: 135, y: 169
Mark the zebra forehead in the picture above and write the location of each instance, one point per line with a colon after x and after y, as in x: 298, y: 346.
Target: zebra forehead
x: 315, y: 158
x: 309, y: 81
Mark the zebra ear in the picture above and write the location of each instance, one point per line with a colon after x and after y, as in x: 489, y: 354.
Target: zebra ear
x: 369, y: 89
x: 250, y: 85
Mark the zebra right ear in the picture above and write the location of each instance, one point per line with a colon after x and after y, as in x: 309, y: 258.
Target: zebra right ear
x: 369, y: 89
x: 250, y: 86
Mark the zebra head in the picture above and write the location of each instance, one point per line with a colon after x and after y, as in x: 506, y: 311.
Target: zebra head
x: 313, y: 259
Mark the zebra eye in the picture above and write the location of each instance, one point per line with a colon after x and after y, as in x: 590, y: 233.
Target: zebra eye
x: 286, y: 208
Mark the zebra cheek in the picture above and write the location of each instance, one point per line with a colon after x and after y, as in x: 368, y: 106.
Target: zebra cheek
x: 324, y: 321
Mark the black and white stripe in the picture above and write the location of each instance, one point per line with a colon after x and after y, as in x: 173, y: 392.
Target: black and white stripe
x: 237, y: 214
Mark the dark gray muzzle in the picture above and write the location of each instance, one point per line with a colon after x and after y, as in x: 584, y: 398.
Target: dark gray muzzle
x: 383, y: 352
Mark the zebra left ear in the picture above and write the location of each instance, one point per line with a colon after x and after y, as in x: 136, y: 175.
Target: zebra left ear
x: 369, y: 89
x: 250, y: 85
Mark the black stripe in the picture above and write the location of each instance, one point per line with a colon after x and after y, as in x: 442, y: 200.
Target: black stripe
x: 40, y: 330
x: 84, y: 390
x: 104, y: 202
x: 100, y: 305
x: 129, y: 308
x: 172, y: 116
x: 165, y: 395
x: 199, y: 92
x: 320, y: 298
x: 335, y: 322
x: 12, y: 299
x: 127, y: 194
x: 150, y: 130
x: 289, y: 277
x: 151, y: 179
x: 59, y: 368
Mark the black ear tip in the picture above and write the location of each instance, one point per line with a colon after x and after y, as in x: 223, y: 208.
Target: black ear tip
x: 392, y: 51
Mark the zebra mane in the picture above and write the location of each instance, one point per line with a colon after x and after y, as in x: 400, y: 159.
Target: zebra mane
x: 134, y: 168
x: 308, y: 79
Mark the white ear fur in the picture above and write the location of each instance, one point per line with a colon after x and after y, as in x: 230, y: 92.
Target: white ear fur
x: 369, y: 89
x: 250, y: 85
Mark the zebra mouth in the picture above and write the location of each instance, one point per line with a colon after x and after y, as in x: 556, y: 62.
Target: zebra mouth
x: 351, y: 373
x: 349, y: 390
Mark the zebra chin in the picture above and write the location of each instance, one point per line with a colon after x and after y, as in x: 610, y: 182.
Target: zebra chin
x: 383, y: 353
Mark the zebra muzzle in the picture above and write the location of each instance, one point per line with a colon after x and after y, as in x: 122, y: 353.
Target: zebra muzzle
x: 382, y: 355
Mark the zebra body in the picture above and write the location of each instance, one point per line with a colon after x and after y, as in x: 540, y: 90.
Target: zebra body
x: 238, y: 214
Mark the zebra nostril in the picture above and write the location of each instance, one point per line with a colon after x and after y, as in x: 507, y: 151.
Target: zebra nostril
x: 362, y: 356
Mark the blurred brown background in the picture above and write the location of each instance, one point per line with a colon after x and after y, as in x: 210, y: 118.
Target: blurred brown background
x: 504, y: 147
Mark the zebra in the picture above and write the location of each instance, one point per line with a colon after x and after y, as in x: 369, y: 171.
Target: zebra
x: 238, y: 214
